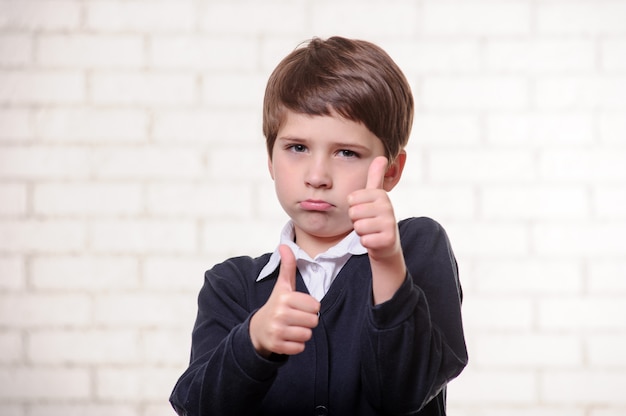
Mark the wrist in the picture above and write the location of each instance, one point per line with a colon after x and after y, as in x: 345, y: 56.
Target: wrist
x: 256, y: 342
x: 387, y: 277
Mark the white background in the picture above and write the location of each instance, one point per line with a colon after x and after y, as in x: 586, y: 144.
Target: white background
x: 132, y: 159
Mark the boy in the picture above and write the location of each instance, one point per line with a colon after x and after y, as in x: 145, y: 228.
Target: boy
x: 354, y: 313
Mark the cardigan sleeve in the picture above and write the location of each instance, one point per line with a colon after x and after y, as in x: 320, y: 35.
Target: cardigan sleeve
x: 225, y: 375
x: 413, y: 344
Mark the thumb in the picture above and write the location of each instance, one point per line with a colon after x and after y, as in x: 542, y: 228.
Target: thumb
x: 287, y: 273
x: 376, y: 173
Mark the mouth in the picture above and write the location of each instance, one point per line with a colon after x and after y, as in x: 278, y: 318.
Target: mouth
x: 316, y: 205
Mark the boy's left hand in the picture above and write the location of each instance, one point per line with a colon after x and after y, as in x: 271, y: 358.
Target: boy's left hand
x: 372, y: 214
x: 374, y: 221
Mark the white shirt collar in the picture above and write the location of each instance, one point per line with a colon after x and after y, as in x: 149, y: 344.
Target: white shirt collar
x: 351, y: 244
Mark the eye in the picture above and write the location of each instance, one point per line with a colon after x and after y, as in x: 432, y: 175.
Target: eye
x: 297, y: 148
x: 348, y: 153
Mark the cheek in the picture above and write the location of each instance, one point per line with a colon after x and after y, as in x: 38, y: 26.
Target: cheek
x: 354, y: 180
x: 282, y: 183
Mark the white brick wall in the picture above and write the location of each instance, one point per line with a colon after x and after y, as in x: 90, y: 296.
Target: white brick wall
x: 131, y: 159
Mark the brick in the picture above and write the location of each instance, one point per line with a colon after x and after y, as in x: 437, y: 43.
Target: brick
x: 167, y: 347
x: 87, y: 199
x: 90, y: 51
x: 476, y: 18
x: 606, y: 351
x: 266, y: 18
x: 57, y: 347
x: 11, y: 345
x: 475, y: 93
x: 147, y: 88
x: 430, y: 56
x: 44, y: 310
x: 241, y: 91
x: 390, y: 18
x: 42, y: 162
x: 204, y: 53
x: 15, y: 124
x: 144, y: 309
x: 12, y: 410
x: 144, y: 236
x: 527, y: 351
x: 208, y: 126
x: 86, y: 125
x: 273, y: 48
x: 222, y: 238
x: 13, y: 199
x: 580, y: 239
x: 609, y: 202
x: 42, y: 236
x: 158, y: 409
x: 79, y: 409
x: 486, y: 240
x: 535, y: 409
x: 28, y: 383
x: 537, y: 56
x: 580, y: 93
x: 613, y: 57
x: 137, y: 384
x: 440, y: 202
x: 40, y: 15
x: 468, y: 277
x: 582, y: 387
x: 156, y: 163
x: 616, y: 411
x: 537, y: 202
x: 463, y: 166
x: 12, y: 272
x: 612, y: 128
x: 513, y: 313
x: 15, y: 50
x: 140, y: 15
x: 583, y: 165
x: 541, y: 129
x: 254, y: 158
x: 175, y: 273
x: 606, y: 277
x: 443, y: 130
x: 266, y: 204
x: 597, y: 313
x: 84, y: 273
x: 513, y: 388
x: 454, y: 408
x: 200, y: 199
x: 28, y: 86
x: 581, y: 18
x: 529, y: 277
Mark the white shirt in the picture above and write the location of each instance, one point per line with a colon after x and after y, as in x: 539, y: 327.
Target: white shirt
x: 318, y: 273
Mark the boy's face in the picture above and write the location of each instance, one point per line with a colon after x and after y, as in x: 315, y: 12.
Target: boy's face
x: 317, y: 161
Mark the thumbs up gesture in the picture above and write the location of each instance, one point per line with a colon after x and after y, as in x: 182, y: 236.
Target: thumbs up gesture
x: 285, y: 322
x: 374, y: 221
x: 372, y: 214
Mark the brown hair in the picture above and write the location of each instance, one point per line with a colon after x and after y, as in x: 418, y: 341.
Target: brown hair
x: 354, y: 78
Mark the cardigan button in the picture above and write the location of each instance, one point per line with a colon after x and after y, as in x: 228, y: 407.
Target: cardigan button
x: 321, y: 411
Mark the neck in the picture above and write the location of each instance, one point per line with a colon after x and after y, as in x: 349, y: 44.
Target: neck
x: 315, y: 245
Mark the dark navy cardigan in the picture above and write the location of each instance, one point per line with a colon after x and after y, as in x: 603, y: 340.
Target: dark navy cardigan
x: 390, y: 359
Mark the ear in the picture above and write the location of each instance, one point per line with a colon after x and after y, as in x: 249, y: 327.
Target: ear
x: 270, y: 166
x: 394, y: 172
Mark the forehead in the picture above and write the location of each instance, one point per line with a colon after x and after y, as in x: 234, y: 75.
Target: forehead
x: 330, y: 128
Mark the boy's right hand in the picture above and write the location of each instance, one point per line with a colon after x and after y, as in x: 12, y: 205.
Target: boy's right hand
x: 285, y: 322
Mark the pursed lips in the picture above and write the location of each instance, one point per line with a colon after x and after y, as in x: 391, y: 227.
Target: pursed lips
x: 316, y: 205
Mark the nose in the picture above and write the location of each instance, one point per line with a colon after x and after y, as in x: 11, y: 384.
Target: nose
x: 318, y: 174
